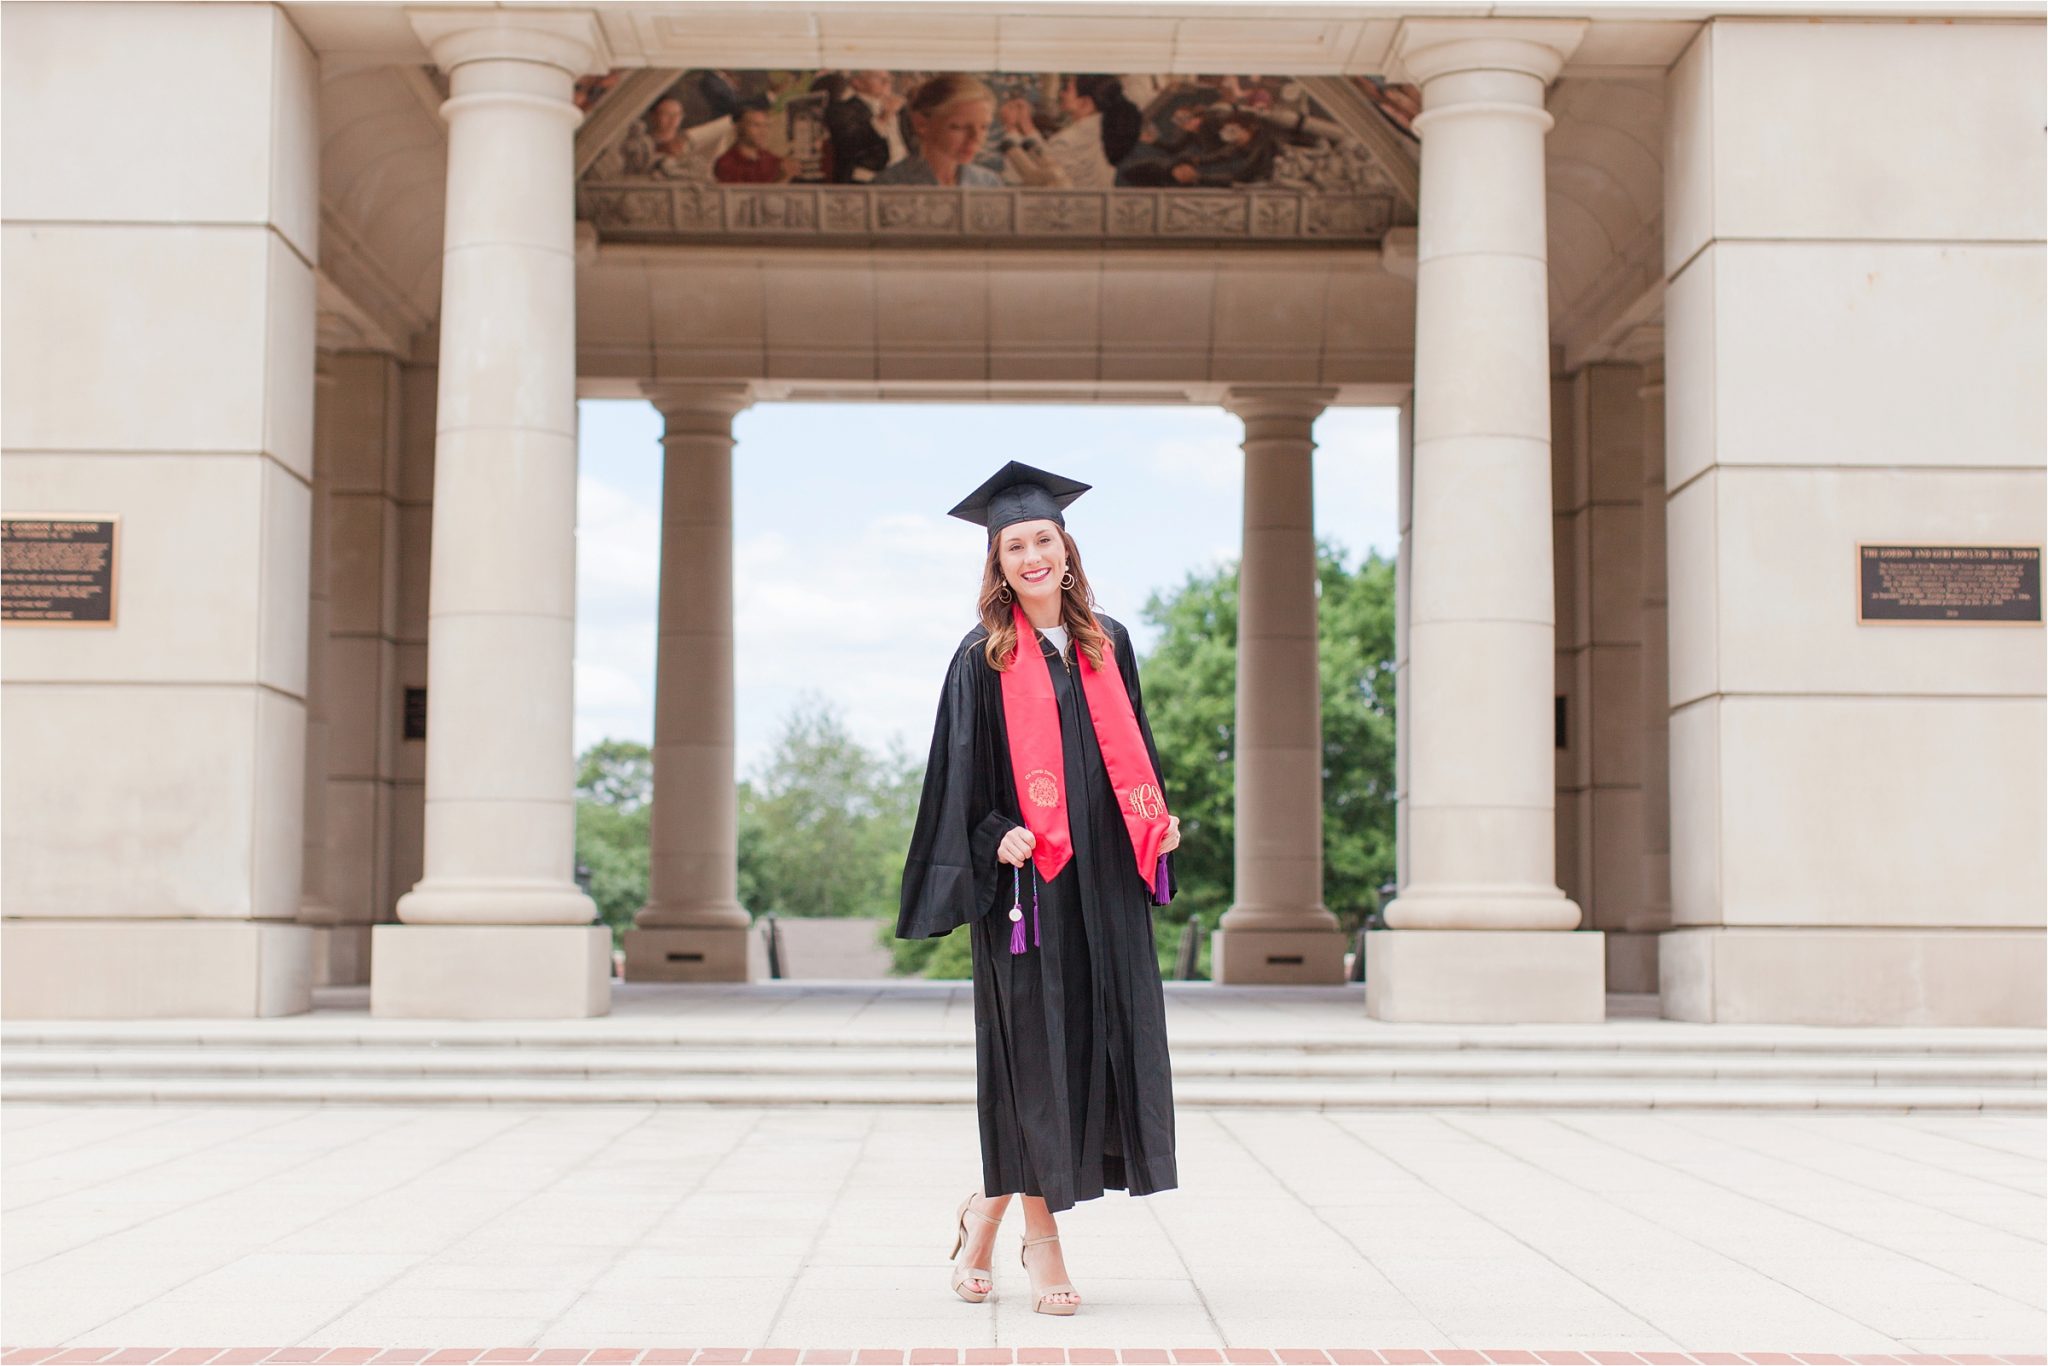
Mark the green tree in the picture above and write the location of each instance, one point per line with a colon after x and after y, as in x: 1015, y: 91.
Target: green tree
x: 823, y: 826
x: 614, y: 804
x: 1191, y: 699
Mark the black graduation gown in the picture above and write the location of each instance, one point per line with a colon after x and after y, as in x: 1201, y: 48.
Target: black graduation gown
x: 1072, y: 1078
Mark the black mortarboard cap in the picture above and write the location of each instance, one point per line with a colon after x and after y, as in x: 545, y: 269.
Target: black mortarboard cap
x: 1018, y: 493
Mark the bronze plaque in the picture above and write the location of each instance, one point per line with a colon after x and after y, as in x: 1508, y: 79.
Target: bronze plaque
x: 57, y: 569
x: 1976, y: 585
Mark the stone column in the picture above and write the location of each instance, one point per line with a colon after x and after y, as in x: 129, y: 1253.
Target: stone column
x: 1473, y: 932
x: 496, y: 928
x: 1652, y: 915
x: 1278, y: 929
x: 693, y: 928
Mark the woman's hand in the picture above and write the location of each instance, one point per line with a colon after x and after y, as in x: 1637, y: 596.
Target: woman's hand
x: 1172, y: 840
x: 1016, y: 847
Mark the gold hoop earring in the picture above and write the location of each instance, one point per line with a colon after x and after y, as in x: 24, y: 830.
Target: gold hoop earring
x: 1067, y: 579
x: 1003, y: 593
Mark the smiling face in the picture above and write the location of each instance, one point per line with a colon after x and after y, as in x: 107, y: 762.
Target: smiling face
x: 1033, y: 557
x: 953, y: 133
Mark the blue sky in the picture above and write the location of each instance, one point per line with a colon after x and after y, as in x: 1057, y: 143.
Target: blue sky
x: 852, y: 584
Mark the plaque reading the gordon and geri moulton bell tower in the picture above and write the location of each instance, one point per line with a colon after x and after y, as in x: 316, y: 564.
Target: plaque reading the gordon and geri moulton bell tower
x: 57, y: 569
x: 1977, y: 585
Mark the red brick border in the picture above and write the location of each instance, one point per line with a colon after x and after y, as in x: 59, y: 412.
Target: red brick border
x: 955, y: 1356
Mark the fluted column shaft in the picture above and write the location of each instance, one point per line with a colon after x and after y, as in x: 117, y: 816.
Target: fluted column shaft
x: 500, y: 768
x: 1481, y: 628
x: 693, y: 873
x: 1279, y: 750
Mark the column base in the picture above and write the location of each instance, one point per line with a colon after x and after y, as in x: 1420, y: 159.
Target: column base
x: 1632, y: 960
x: 154, y: 969
x: 1277, y: 957
x: 1489, y: 906
x: 695, y: 953
x: 1486, y: 976
x: 490, y: 972
x: 1853, y: 976
x: 454, y: 901
x: 341, y: 955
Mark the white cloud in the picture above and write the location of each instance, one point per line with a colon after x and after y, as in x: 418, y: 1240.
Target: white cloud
x: 618, y: 551
x: 1216, y: 465
x: 869, y: 622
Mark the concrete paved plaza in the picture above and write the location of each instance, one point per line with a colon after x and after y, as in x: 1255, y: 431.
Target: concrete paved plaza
x: 606, y: 1226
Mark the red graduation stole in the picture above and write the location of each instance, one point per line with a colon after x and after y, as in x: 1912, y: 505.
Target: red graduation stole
x: 1032, y: 718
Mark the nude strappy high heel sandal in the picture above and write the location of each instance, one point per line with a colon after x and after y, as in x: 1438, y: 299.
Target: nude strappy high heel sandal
x: 1039, y: 1295
x: 972, y: 1273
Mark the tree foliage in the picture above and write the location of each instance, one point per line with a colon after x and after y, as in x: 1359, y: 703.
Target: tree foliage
x: 823, y: 827
x: 614, y: 807
x: 618, y: 774
x: 1190, y: 681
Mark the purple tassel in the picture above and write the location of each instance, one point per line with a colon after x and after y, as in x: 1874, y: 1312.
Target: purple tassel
x: 1160, y: 896
x: 1017, y: 911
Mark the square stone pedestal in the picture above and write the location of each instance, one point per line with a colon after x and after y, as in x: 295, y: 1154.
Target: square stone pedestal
x: 1755, y: 974
x: 1486, y: 976
x: 1294, y: 958
x: 490, y: 972
x: 695, y: 954
x: 154, y: 969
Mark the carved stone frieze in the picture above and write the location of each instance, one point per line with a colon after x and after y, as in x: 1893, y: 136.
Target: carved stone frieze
x: 627, y: 210
x: 1205, y: 215
x: 867, y: 215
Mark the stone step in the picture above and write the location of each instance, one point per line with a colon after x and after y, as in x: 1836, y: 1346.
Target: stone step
x: 884, y: 1066
x: 1642, y: 1037
x: 1195, y: 1094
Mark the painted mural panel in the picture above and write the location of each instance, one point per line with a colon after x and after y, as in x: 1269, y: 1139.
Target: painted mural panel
x: 1074, y: 132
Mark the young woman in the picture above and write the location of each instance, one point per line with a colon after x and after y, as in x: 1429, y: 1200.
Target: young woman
x: 950, y: 116
x: 1043, y: 829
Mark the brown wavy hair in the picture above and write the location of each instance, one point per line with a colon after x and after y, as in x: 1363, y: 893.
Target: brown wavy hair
x: 1077, y: 608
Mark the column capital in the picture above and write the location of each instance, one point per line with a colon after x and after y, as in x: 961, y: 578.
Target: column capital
x: 1425, y: 49
x: 684, y: 403
x: 568, y: 39
x: 1255, y: 404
